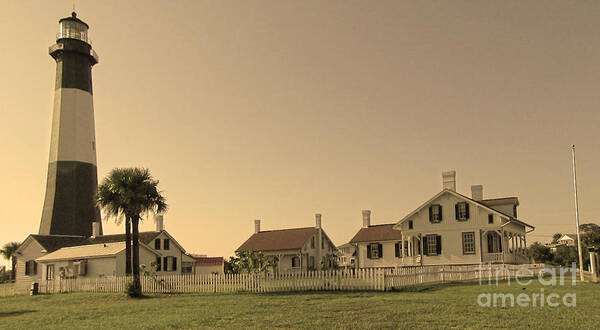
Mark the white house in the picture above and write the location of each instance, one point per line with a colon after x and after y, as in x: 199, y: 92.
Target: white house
x: 169, y: 256
x: 90, y: 261
x: 376, y: 246
x: 307, y: 248
x: 452, y: 229
x: 208, y: 265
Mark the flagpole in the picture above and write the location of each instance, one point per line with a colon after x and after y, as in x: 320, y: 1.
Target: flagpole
x: 577, y: 213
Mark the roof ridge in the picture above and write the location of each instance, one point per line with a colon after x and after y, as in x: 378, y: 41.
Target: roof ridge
x: 272, y: 230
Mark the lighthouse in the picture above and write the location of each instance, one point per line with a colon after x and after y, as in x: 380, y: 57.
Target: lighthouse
x: 70, y: 206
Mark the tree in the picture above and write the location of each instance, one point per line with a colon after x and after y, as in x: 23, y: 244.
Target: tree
x: 565, y: 256
x: 110, y: 199
x: 8, y: 251
x: 556, y: 237
x: 251, y: 262
x: 540, y: 253
x: 131, y: 192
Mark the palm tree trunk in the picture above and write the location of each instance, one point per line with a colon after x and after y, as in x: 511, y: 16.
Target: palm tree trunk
x: 136, y: 255
x: 13, y: 272
x: 127, y: 245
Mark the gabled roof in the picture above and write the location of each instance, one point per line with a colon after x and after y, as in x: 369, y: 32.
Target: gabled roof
x: 88, y: 251
x: 480, y: 203
x: 274, y: 240
x: 568, y: 236
x: 52, y: 243
x: 373, y: 233
x: 209, y: 261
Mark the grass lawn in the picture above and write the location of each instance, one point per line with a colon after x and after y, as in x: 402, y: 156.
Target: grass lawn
x: 443, y: 306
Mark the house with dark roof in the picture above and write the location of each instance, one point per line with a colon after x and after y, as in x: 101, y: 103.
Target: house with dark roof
x: 376, y: 246
x: 168, y: 256
x: 296, y: 249
x: 452, y: 229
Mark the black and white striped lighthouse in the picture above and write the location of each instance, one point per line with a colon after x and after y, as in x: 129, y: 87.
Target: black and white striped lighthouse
x: 69, y: 206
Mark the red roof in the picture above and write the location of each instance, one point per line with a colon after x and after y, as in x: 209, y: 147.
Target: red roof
x: 209, y: 261
x: 283, y: 239
x: 377, y: 233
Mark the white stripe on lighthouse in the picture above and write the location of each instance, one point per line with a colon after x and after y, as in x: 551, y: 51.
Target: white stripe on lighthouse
x: 73, y: 137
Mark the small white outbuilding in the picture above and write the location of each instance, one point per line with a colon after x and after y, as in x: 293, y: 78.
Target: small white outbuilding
x: 91, y: 261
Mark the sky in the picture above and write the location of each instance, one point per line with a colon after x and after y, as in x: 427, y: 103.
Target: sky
x: 277, y: 110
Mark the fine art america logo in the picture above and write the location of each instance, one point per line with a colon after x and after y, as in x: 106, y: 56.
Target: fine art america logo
x: 548, y: 277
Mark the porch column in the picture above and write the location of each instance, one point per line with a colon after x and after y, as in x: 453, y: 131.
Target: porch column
x: 402, y: 246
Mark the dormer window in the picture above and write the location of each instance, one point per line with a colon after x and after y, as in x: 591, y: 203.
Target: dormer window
x: 435, y: 213
x: 462, y: 211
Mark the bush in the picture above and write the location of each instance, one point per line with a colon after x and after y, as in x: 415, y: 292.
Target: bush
x: 132, y: 291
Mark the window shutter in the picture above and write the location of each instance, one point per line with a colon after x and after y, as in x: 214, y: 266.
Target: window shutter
x: 158, y: 264
x: 380, y: 249
x: 467, y: 210
x: 397, y: 249
x: 27, y: 264
x: 425, y: 250
x: 439, y: 244
x: 157, y: 244
x: 174, y: 263
x: 369, y: 251
x: 440, y: 208
x: 430, y: 214
x: 456, y: 211
x: 165, y: 263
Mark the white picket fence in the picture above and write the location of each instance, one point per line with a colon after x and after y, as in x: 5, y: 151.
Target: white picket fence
x: 331, y: 280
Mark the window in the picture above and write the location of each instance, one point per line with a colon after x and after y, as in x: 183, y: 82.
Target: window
x: 50, y: 272
x: 312, y: 242
x: 158, y: 259
x: 166, y: 244
x: 490, y: 218
x: 311, y: 262
x: 410, y: 224
x: 157, y: 244
x: 435, y: 213
x: 169, y: 264
x: 494, y: 243
x: 31, y: 268
x: 468, y: 242
x: 322, y: 243
x: 187, y: 268
x: 462, y: 211
x: 374, y: 251
x: 398, y: 251
x: 295, y: 262
x: 432, y: 245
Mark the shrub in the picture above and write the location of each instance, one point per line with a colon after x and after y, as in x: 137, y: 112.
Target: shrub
x: 132, y: 290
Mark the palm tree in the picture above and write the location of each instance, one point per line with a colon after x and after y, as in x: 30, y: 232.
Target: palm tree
x: 110, y: 200
x: 8, y: 251
x: 131, y: 192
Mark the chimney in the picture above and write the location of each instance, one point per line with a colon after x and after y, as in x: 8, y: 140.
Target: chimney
x: 95, y: 229
x: 318, y: 220
x: 477, y: 192
x: 257, y: 226
x: 449, y: 180
x: 160, y: 222
x: 366, y: 218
